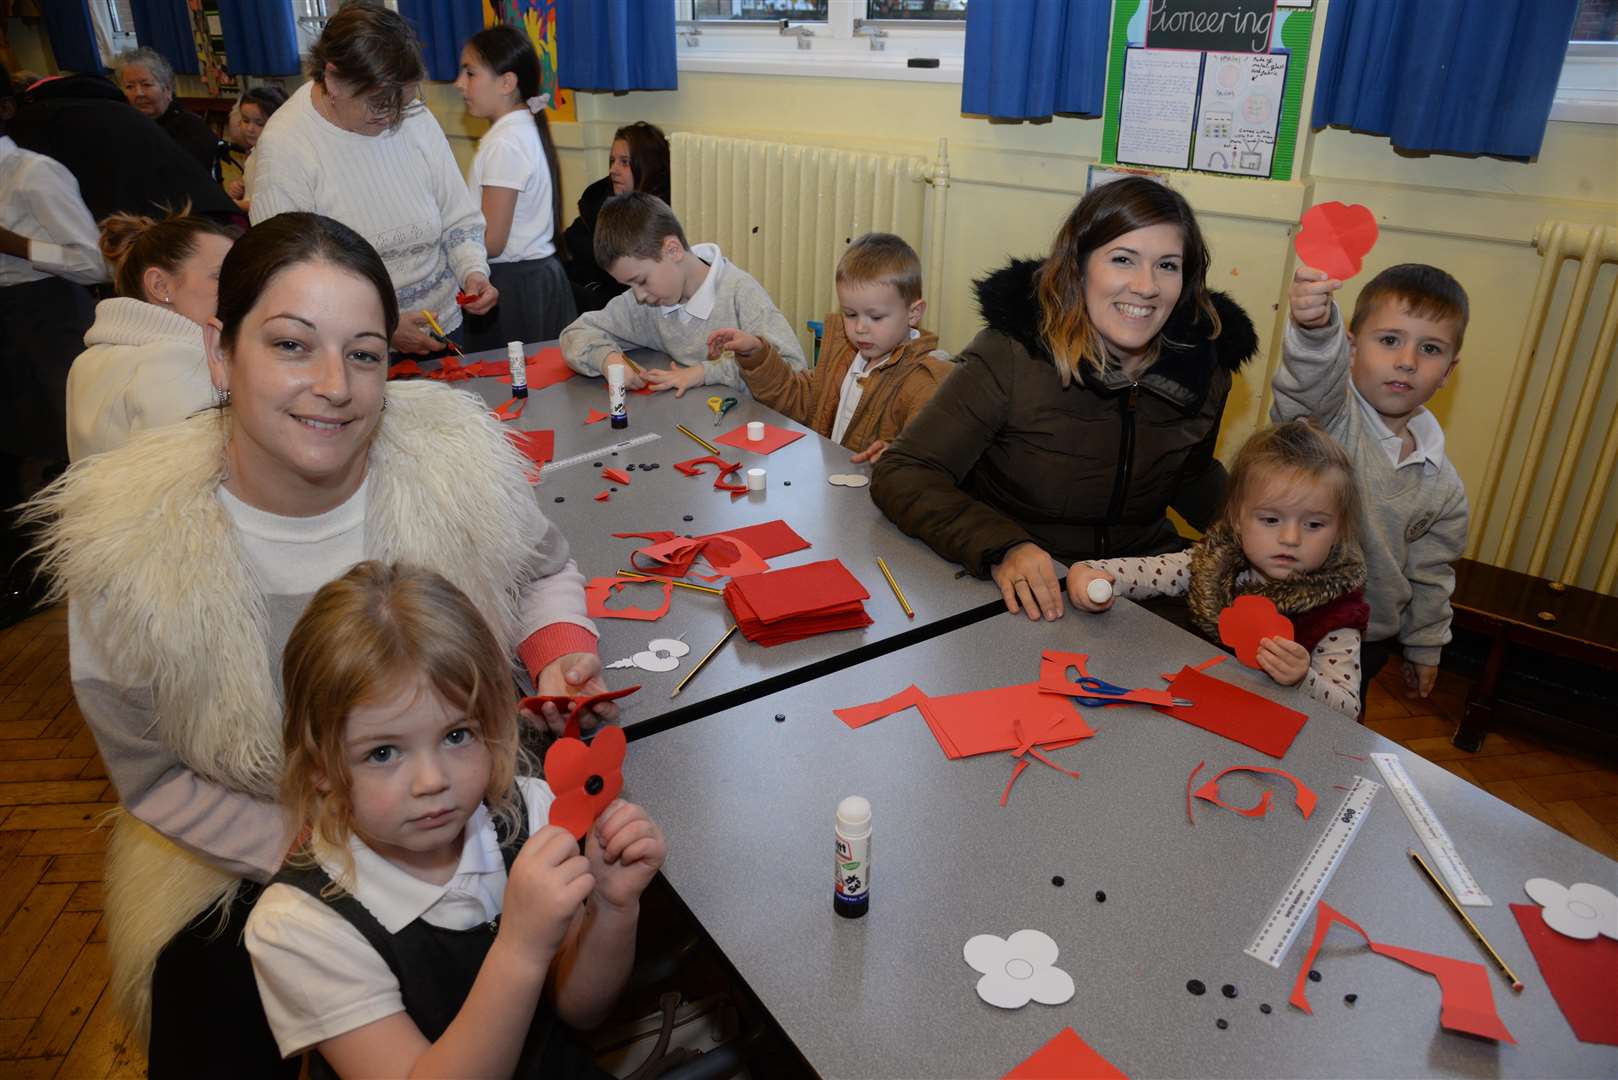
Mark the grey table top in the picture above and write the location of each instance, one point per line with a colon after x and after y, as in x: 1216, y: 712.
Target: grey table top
x: 748, y: 805
x: 838, y: 522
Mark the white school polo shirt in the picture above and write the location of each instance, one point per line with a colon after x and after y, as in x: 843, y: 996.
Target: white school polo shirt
x: 510, y: 155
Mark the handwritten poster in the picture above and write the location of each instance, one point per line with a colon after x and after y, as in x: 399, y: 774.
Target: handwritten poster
x: 1237, y: 112
x: 1159, y: 106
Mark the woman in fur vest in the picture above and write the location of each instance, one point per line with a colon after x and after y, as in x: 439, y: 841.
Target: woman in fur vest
x: 1088, y: 405
x: 186, y: 557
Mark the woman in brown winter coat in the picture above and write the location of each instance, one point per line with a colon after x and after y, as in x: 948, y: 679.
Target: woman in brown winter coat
x: 1088, y: 405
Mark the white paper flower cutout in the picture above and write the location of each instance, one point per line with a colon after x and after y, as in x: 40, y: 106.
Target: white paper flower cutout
x: 1018, y: 969
x: 1578, y: 911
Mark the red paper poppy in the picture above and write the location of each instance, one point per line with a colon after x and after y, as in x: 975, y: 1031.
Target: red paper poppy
x: 585, y: 778
x: 1249, y: 621
x: 575, y: 706
x: 1336, y: 238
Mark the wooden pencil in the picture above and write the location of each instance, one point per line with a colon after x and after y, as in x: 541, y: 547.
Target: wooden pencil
x: 704, y: 443
x: 703, y: 662
x: 894, y: 585
x: 671, y: 581
x: 1516, y: 983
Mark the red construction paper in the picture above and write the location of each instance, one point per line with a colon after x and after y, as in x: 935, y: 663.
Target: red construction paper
x: 584, y: 778
x: 617, y: 476
x: 1066, y: 1057
x: 1336, y: 238
x: 730, y: 557
x: 575, y: 705
x: 595, y: 416
x: 774, y: 439
x: 1235, y: 713
x: 771, y: 539
x: 536, y: 446
x: 1582, y: 975
x: 510, y: 410
x: 799, y: 590
x: 857, y: 716
x: 598, y: 590
x: 1015, y: 772
x: 670, y: 558
x: 1188, y: 782
x: 1053, y: 679
x: 1467, y: 1002
x: 603, y: 496
x: 1249, y: 621
x: 657, y: 536
x: 721, y: 481
x: 985, y: 721
x: 404, y: 369
x: 1219, y: 658
x: 1302, y: 797
x: 545, y: 368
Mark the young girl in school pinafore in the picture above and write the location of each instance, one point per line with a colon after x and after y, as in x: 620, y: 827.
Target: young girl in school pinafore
x: 418, y: 928
x: 1290, y: 533
x: 515, y: 179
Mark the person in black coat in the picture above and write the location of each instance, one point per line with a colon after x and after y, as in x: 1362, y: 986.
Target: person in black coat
x: 639, y: 161
x: 148, y: 83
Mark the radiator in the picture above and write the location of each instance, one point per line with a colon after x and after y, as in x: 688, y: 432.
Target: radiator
x: 784, y: 212
x: 1558, y: 422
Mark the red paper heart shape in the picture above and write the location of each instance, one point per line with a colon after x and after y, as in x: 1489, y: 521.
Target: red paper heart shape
x: 1336, y: 238
x: 1249, y: 621
x: 585, y: 778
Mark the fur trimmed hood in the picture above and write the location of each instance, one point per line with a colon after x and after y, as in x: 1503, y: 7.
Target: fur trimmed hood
x: 1008, y: 300
x: 1217, y: 561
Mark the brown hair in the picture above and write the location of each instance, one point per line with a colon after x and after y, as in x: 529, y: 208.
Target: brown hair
x: 648, y: 157
x: 363, y: 635
x: 882, y: 259
x: 633, y: 226
x: 375, y: 52
x: 1425, y: 291
x: 1102, y: 216
x: 1303, y: 450
x: 134, y: 243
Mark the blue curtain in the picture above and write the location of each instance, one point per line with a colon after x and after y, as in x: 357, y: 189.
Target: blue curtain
x: 615, y: 45
x: 1443, y: 74
x: 1028, y: 59
x: 260, y: 37
x: 443, y: 26
x: 73, y: 36
x: 165, y: 25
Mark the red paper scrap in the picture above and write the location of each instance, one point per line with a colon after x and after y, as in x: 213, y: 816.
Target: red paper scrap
x: 857, y: 716
x: 1302, y: 797
x: 985, y: 721
x: 1188, y: 782
x: 1066, y: 1057
x: 1336, y: 238
x: 598, y: 590
x: 1467, y: 1003
x: 595, y: 416
x: 730, y: 557
x: 774, y: 439
x: 404, y: 369
x: 617, y: 476
x: 462, y: 297
x: 1218, y: 658
x: 1053, y: 679
x: 536, y: 446
x: 603, y: 496
x: 721, y: 481
x: 1235, y: 713
x: 584, y: 778
x: 670, y: 558
x: 510, y: 410
x: 1247, y: 622
x: 545, y: 368
x: 771, y: 539
x: 575, y: 704
x: 1582, y: 975
x: 1015, y: 772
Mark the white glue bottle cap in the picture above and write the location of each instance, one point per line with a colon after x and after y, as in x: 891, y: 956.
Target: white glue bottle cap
x: 519, y: 369
x: 615, y: 376
x: 1100, y: 590
x: 854, y: 817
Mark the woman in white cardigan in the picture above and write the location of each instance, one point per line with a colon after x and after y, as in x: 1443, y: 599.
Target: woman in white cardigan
x: 144, y: 365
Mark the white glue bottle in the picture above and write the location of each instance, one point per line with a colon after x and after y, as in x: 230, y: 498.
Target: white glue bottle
x: 853, y: 897
x: 519, y: 369
x: 615, y: 396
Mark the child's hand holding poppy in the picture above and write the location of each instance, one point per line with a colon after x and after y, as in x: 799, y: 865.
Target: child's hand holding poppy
x: 625, y: 849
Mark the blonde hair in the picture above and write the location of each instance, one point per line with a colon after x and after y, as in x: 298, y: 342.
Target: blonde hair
x: 134, y: 243
x: 363, y: 635
x: 1298, y: 448
x: 1102, y: 216
x: 882, y: 259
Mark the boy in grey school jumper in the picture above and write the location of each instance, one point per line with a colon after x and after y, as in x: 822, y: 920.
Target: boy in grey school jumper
x: 1367, y: 385
x: 678, y: 295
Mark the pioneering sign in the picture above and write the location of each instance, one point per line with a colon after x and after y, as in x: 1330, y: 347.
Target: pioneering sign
x: 1229, y: 26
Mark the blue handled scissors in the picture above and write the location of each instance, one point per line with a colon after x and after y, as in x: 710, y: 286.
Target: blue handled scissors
x: 1105, y: 693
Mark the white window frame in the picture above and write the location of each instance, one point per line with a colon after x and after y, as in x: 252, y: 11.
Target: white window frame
x: 1587, y: 92
x: 309, y: 16
x: 114, y: 25
x: 837, y: 48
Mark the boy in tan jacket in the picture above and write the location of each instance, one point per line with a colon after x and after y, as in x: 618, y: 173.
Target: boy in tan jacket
x: 876, y: 369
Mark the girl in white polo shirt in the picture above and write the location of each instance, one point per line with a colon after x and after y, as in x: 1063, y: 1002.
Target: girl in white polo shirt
x: 516, y: 180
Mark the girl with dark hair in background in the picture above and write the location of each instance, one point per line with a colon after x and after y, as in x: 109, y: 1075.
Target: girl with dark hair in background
x: 639, y: 161
x: 516, y: 178
x: 253, y: 110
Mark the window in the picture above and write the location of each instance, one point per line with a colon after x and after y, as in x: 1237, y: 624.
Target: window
x: 311, y: 16
x: 114, y: 27
x: 1588, y: 89
x: 910, y: 40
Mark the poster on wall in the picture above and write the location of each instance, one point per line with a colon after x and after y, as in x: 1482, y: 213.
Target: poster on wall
x: 536, y: 18
x: 1208, y: 85
x: 209, y: 40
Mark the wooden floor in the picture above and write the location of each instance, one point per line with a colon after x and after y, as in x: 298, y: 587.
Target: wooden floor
x: 56, y: 1020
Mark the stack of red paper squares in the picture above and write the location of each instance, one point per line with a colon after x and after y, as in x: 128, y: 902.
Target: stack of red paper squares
x: 788, y: 605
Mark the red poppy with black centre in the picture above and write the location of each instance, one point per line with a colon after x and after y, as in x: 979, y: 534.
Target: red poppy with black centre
x: 585, y: 778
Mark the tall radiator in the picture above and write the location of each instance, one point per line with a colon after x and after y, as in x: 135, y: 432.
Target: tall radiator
x: 785, y: 212
x: 1548, y: 504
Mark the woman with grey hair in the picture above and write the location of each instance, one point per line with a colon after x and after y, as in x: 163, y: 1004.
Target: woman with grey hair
x: 148, y: 83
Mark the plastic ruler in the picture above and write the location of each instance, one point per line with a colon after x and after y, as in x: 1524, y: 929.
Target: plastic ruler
x: 1274, y: 938
x: 1462, y: 885
x: 597, y: 455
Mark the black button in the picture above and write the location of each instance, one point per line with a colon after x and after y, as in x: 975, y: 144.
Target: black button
x: 594, y: 785
x: 1228, y: 990
x: 1265, y: 1009
x: 688, y: 517
x: 1351, y: 998
x: 560, y: 499
x: 1221, y: 1024
x: 1058, y: 881
x: 1101, y: 897
x: 1314, y: 976
x: 780, y: 717
x: 1196, y: 987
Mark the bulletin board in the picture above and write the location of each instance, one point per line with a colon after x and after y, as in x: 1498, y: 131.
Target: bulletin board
x: 537, y: 18
x: 1207, y: 85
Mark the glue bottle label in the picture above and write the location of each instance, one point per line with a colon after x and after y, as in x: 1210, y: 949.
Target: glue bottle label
x: 853, y: 871
x: 617, y: 407
x: 519, y: 369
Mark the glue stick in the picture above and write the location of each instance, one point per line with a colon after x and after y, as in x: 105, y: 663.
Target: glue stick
x: 519, y: 369
x: 615, y: 396
x: 853, y: 897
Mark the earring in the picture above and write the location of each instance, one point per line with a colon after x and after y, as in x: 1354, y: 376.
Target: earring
x: 166, y: 300
x: 221, y: 396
